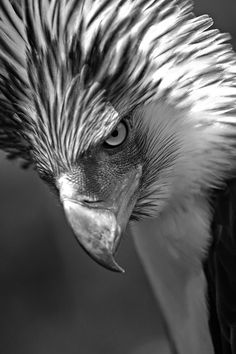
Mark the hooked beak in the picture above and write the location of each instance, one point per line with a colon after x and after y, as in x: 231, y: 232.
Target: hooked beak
x: 98, y: 226
x: 96, y: 230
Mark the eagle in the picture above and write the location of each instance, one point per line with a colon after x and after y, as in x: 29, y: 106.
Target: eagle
x: 127, y: 110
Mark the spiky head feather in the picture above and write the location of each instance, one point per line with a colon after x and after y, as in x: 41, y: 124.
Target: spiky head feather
x: 65, y: 65
x: 71, y: 69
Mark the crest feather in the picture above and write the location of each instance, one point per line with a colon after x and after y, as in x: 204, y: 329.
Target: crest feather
x: 60, y: 58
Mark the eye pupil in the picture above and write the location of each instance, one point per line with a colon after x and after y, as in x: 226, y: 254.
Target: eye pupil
x: 115, y: 133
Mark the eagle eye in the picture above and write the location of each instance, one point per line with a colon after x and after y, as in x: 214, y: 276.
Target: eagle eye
x: 117, y: 136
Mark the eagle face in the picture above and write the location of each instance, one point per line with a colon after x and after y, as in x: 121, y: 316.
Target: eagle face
x: 112, y: 182
x: 99, y: 192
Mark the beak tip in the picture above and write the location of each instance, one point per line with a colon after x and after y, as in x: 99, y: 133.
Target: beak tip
x: 118, y: 268
x: 110, y: 264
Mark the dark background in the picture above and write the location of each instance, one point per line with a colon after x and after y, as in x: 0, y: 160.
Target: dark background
x: 53, y: 298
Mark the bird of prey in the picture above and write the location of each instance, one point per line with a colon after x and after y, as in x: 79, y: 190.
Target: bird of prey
x: 127, y: 109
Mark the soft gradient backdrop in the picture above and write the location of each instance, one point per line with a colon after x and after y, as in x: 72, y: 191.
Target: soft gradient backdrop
x: 53, y: 298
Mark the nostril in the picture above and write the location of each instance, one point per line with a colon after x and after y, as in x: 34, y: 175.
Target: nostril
x: 70, y: 191
x: 89, y: 200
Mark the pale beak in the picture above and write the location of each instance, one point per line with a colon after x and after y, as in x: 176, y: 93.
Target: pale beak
x: 96, y: 230
x: 98, y: 226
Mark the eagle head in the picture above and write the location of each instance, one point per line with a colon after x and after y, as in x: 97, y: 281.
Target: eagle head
x: 115, y: 103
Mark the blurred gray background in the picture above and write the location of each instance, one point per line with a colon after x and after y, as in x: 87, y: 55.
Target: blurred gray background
x: 53, y: 298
